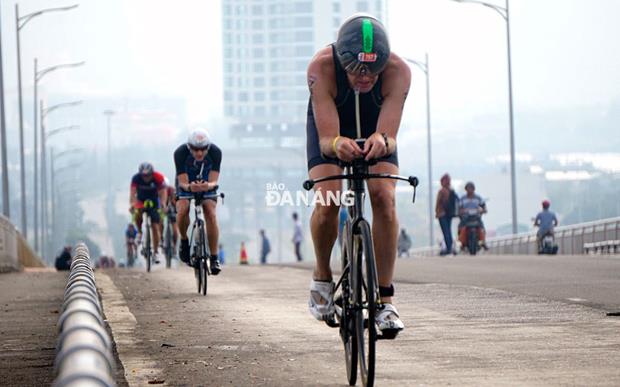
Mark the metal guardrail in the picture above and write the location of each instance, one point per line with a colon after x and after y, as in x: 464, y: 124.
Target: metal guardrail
x: 84, y: 351
x: 574, y: 239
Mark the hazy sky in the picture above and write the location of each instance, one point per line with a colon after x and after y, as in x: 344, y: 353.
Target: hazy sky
x: 565, y: 53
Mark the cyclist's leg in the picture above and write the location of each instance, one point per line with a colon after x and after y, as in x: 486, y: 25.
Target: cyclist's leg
x: 384, y: 223
x: 213, y: 231
x: 183, y: 223
x: 175, y: 229
x: 155, y: 226
x: 213, y: 234
x: 183, y: 217
x: 324, y: 220
x: 137, y: 219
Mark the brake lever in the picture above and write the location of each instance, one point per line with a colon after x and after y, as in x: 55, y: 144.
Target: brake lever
x: 413, y: 181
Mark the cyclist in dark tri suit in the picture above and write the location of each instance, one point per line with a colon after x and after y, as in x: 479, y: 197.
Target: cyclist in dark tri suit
x: 147, y: 186
x: 359, y: 62
x: 190, y: 158
x: 169, y: 210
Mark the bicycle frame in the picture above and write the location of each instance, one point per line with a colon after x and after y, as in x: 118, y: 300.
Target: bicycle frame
x: 147, y: 249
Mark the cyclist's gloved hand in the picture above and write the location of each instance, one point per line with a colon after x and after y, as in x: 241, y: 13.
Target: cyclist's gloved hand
x: 374, y: 147
x: 347, y: 149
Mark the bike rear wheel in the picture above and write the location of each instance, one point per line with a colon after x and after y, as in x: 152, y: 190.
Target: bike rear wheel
x: 198, y: 274
x: 366, y: 295
x: 147, y: 247
x: 473, y: 240
x: 205, y: 258
x: 347, y: 320
x: 168, y: 244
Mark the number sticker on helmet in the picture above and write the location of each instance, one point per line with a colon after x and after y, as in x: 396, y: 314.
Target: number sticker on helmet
x: 367, y: 57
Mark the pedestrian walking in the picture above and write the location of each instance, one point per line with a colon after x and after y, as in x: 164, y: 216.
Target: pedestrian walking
x: 265, y: 248
x: 404, y: 243
x: 445, y: 210
x: 221, y: 254
x: 297, y: 237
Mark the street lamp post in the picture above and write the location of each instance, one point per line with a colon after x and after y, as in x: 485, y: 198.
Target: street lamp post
x: 44, y: 205
x: 54, y: 173
x: 424, y: 67
x: 5, y: 165
x: 109, y: 113
x: 38, y: 75
x: 20, y: 22
x: 504, y: 12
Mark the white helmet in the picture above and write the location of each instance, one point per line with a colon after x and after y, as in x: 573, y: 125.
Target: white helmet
x: 199, y: 138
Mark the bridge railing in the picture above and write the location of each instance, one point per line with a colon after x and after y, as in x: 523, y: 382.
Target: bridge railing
x: 583, y: 238
x: 84, y: 350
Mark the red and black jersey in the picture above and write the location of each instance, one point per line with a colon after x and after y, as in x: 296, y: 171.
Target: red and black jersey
x: 148, y: 190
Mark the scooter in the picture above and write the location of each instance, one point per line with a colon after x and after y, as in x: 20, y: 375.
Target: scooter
x: 472, y: 222
x: 548, y: 245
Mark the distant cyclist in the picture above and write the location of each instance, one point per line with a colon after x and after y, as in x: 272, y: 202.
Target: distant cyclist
x: 147, y: 193
x: 131, y: 233
x: 197, y: 155
x: 169, y: 210
x: 359, y: 61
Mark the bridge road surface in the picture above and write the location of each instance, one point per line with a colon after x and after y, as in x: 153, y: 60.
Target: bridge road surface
x: 253, y: 328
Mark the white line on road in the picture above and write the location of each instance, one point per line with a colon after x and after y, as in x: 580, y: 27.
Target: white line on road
x: 577, y: 299
x: 139, y: 367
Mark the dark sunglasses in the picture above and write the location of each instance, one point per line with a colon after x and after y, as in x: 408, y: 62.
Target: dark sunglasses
x: 198, y: 149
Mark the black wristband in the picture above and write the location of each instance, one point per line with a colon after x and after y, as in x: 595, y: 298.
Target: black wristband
x: 385, y: 139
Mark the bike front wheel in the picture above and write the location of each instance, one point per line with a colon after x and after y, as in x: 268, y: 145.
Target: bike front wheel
x: 168, y: 249
x: 147, y: 248
x: 347, y: 315
x: 366, y: 296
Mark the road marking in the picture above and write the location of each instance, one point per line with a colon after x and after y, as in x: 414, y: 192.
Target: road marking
x: 577, y: 299
x: 139, y: 367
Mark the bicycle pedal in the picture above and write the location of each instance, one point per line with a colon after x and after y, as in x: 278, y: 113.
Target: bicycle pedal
x: 388, y: 334
x: 332, y: 322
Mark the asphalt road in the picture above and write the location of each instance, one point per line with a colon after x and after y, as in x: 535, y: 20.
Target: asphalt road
x: 588, y: 280
x: 469, y: 322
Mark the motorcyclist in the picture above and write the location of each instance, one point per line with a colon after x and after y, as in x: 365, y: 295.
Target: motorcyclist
x: 471, y: 207
x: 545, y: 221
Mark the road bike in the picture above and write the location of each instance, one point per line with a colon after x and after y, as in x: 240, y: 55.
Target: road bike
x: 147, y: 249
x: 199, y: 246
x: 357, y: 290
x: 131, y: 252
x: 168, y: 237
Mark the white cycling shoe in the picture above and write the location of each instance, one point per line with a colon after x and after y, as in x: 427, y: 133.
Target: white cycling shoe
x: 321, y: 303
x: 388, y: 321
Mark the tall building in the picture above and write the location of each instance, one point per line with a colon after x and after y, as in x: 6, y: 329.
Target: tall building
x: 267, y: 47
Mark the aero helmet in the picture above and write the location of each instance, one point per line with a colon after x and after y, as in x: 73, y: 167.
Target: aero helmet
x: 362, y: 45
x: 145, y: 168
x: 546, y: 204
x: 198, y: 138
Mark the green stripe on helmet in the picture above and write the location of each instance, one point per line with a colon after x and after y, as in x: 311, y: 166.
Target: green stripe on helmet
x: 367, y: 35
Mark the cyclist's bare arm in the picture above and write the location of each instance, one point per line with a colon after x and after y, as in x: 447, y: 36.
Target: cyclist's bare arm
x: 212, y: 181
x: 133, y: 192
x: 322, y: 85
x: 396, y: 83
x: 163, y: 196
x: 184, y: 182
